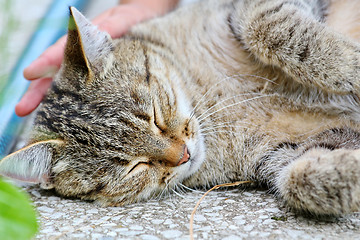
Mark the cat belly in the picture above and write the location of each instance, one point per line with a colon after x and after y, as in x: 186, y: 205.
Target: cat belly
x: 239, y: 152
x: 297, y: 126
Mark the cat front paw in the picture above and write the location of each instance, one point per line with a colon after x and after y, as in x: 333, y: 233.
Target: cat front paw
x: 322, y: 182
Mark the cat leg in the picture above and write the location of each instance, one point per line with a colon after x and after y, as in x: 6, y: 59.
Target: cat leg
x: 320, y: 176
x: 292, y: 35
x: 322, y: 182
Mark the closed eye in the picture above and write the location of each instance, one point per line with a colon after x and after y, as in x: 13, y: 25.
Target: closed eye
x: 137, y: 166
x: 158, y: 126
x: 157, y: 122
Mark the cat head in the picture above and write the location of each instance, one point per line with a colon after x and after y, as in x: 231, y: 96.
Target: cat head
x: 115, y: 125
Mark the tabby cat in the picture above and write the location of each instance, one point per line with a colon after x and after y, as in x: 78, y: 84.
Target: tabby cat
x: 215, y: 92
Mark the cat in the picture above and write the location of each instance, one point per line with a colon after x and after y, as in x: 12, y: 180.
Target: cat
x: 214, y: 92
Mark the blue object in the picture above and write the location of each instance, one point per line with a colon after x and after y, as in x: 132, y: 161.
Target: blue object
x: 52, y: 26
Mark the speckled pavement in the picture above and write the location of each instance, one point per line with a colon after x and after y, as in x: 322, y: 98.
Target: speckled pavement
x: 223, y: 214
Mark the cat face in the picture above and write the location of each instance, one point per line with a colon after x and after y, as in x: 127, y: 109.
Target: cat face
x: 115, y: 126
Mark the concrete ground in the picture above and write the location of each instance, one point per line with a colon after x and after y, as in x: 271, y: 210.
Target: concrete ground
x: 225, y: 214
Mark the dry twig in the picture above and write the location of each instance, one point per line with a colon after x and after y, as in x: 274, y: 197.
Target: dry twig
x: 191, y: 230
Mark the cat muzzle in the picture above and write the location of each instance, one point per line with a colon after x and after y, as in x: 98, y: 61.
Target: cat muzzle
x: 186, y: 156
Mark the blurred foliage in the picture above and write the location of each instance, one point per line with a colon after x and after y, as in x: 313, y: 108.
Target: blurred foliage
x: 8, y: 25
x: 17, y: 215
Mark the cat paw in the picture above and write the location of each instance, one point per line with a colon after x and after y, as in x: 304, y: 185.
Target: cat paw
x: 322, y: 182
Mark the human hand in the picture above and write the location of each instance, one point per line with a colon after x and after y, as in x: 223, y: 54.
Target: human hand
x: 116, y: 21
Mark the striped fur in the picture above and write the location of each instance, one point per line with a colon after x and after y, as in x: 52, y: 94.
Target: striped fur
x: 214, y: 92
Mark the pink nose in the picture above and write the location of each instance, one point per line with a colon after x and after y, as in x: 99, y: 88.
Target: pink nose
x: 186, y: 156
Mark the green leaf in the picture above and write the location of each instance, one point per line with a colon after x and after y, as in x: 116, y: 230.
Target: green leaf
x: 17, y: 215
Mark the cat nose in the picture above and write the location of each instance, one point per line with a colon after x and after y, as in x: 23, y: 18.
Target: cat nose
x: 174, y: 156
x: 186, y: 156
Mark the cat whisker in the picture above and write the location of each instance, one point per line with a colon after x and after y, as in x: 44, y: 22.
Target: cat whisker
x: 166, y: 188
x: 227, y: 127
x: 256, y: 76
x: 228, y: 130
x: 206, y: 93
x: 204, y: 130
x: 160, y: 196
x: 176, y: 193
x: 233, y: 77
x: 220, y: 118
x: 219, y: 131
x: 224, y: 100
x: 186, y: 189
x: 231, y: 105
x: 190, y: 189
x: 220, y: 125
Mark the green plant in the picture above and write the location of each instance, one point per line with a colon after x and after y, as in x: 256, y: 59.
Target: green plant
x: 8, y: 25
x: 17, y: 215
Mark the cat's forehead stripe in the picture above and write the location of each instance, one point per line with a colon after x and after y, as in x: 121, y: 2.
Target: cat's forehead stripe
x: 146, y: 64
x: 59, y: 92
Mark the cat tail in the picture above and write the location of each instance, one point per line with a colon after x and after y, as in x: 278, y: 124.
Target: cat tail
x: 319, y: 181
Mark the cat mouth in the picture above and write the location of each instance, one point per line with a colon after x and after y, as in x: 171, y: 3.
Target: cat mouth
x: 196, y: 156
x: 186, y: 156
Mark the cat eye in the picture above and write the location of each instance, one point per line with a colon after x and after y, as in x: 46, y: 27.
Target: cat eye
x: 157, y: 125
x: 137, y: 165
x: 157, y: 122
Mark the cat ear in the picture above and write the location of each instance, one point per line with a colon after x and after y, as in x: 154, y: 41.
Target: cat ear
x: 31, y: 163
x: 86, y: 46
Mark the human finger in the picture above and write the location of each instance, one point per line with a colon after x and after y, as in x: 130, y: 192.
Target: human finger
x: 33, y: 96
x: 47, y: 64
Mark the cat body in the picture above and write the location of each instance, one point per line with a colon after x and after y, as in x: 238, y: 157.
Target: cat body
x: 247, y: 90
